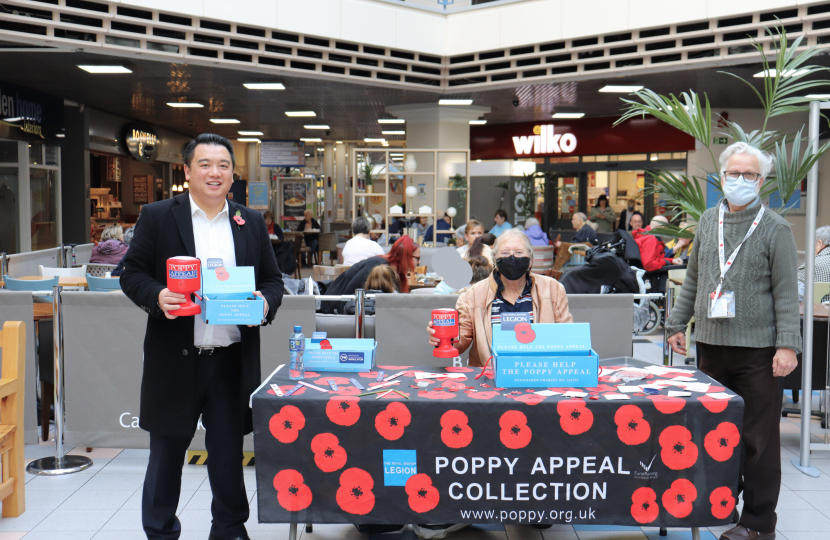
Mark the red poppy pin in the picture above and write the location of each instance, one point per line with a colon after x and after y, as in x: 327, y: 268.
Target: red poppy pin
x: 238, y: 219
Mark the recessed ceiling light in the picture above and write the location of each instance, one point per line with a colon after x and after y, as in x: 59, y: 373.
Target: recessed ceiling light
x: 393, y: 132
x: 251, y: 133
x: 186, y: 105
x: 248, y: 139
x: 620, y: 89
x: 455, y: 102
x: 817, y: 96
x: 568, y: 115
x: 369, y: 139
x: 338, y: 142
x: 396, y: 154
x: 391, y: 121
x: 294, y: 114
x: 105, y: 69
x: 308, y: 155
x: 224, y: 120
x: 60, y: 135
x: 264, y: 86
x: 477, y: 122
x: 316, y: 126
x: 788, y: 73
x: 311, y: 140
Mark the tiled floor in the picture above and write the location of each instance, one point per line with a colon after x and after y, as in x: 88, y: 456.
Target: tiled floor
x: 103, y: 502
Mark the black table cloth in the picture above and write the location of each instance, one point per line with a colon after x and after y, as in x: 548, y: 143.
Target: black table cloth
x: 462, y: 451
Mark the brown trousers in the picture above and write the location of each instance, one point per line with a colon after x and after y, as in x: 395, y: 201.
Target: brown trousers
x: 748, y: 372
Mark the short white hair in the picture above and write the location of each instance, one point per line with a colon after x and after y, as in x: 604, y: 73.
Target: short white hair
x: 510, y: 233
x: 582, y: 216
x: 823, y: 235
x: 764, y: 159
x: 530, y: 222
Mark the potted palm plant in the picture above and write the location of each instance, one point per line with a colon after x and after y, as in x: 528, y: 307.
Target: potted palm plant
x: 367, y: 175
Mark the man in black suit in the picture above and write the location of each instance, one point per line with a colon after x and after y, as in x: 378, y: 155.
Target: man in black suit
x: 190, y: 368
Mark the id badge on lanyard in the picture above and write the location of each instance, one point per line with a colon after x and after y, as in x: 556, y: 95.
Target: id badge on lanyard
x: 722, y: 303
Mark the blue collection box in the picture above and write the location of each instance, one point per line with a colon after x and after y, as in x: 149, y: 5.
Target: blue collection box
x: 227, y: 296
x: 355, y: 355
x: 551, y: 355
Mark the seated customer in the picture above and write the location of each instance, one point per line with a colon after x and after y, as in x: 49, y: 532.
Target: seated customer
x: 472, y: 230
x: 481, y: 269
x: 360, y: 247
x: 512, y: 287
x: 112, y: 248
x: 488, y: 239
x: 822, y: 270
x: 128, y: 237
x: 383, y: 278
x: 273, y: 228
x: 404, y: 256
x: 442, y: 224
x: 311, y: 240
x: 584, y: 232
x: 501, y: 223
x: 652, y: 248
x: 480, y: 249
x: 535, y: 233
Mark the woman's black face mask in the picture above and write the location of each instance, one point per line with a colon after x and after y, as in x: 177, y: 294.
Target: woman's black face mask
x: 513, y: 267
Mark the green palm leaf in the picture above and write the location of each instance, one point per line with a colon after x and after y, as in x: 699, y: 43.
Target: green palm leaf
x: 791, y: 168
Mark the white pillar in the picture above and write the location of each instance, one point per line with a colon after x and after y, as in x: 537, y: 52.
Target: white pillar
x: 340, y: 180
x: 328, y: 173
x: 433, y: 126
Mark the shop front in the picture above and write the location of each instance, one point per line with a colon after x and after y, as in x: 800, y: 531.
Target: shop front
x: 31, y: 130
x: 577, y: 160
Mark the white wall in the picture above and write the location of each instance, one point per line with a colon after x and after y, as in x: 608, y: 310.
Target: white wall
x: 485, y: 27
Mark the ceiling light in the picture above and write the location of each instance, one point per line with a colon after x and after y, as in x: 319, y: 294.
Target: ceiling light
x: 308, y: 155
x: 653, y: 158
x: 391, y: 121
x: 620, y: 89
x: 393, y: 132
x: 224, y: 120
x: 186, y: 105
x: 294, y: 114
x: 316, y: 126
x: 384, y: 143
x: 186, y: 185
x: 264, y: 86
x: 368, y: 139
x: 251, y: 133
x: 60, y: 135
x: 568, y: 115
x: 478, y: 161
x: 105, y: 69
x: 321, y: 149
x: 248, y: 139
x: 817, y: 96
x: 312, y: 140
x: 455, y: 102
x: 338, y: 142
x: 477, y: 122
x: 788, y: 73
x: 396, y: 154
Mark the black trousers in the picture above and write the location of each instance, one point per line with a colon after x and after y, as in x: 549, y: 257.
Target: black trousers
x: 748, y: 372
x: 217, y: 388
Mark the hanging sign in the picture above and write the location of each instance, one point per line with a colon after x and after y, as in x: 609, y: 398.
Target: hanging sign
x: 141, y: 142
x: 281, y: 154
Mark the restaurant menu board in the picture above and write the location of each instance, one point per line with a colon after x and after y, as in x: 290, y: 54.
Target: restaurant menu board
x: 281, y: 154
x: 141, y: 189
x: 294, y: 196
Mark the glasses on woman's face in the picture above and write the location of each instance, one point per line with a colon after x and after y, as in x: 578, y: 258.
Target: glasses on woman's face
x: 736, y: 175
x: 513, y: 252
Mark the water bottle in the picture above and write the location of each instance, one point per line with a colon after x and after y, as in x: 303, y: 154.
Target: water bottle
x: 296, y: 345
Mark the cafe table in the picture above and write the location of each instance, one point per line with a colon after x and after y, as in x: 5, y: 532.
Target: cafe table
x: 64, y: 281
x: 457, y: 449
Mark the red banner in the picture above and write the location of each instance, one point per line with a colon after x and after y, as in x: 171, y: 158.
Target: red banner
x: 582, y: 137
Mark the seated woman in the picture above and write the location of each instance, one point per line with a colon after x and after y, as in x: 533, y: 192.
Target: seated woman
x: 272, y: 226
x: 383, y: 278
x: 474, y: 230
x: 403, y: 257
x: 112, y: 248
x: 510, y: 288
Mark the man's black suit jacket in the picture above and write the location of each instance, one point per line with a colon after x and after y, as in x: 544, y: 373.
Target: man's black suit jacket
x: 166, y: 230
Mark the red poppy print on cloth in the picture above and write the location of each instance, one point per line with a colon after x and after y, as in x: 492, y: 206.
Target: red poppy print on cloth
x: 454, y: 385
x: 716, y: 389
x: 455, y: 431
x: 632, y: 429
x: 574, y: 416
x: 487, y: 394
x: 720, y: 443
x: 285, y: 426
x: 678, y: 451
x: 459, y: 369
x: 369, y: 375
x: 515, y: 432
x: 329, y: 456
x: 668, y: 405
x: 343, y: 411
x: 714, y: 405
x: 339, y: 381
x: 678, y: 499
x: 644, y: 507
x: 348, y: 391
x: 528, y: 399
x: 292, y: 493
x: 391, y: 422
x: 391, y: 368
x: 423, y: 496
x: 723, y: 502
x: 437, y: 394
x: 287, y: 388
x: 355, y: 492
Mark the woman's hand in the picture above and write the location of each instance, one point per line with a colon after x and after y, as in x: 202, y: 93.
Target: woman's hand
x: 678, y: 343
x: 434, y: 341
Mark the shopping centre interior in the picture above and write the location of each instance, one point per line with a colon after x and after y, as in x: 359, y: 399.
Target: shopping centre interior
x: 337, y: 107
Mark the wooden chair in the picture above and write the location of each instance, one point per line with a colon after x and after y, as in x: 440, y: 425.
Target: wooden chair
x: 542, y: 259
x: 12, y: 483
x: 563, y: 254
x: 323, y: 273
x: 298, y: 246
x: 327, y: 243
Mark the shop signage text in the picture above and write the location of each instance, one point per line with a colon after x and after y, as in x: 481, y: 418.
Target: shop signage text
x: 545, y: 141
x: 30, y: 111
x: 141, y: 142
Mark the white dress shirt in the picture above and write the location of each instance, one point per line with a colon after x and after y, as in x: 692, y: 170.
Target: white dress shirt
x: 213, y: 239
x: 359, y: 248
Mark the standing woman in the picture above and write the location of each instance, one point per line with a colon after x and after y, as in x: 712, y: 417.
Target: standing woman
x: 603, y: 215
x: 741, y: 286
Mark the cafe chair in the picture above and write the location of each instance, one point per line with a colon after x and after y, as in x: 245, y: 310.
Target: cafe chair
x: 47, y: 271
x: 542, y: 259
x: 325, y: 273
x: 12, y: 482
x: 43, y: 287
x: 327, y: 243
x: 98, y: 270
x: 298, y: 246
x: 102, y: 284
x: 820, y: 290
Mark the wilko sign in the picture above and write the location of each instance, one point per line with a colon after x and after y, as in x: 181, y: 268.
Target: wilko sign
x: 577, y: 137
x: 545, y: 141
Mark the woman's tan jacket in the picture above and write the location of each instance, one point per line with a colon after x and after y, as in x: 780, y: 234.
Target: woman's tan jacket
x: 550, y: 305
